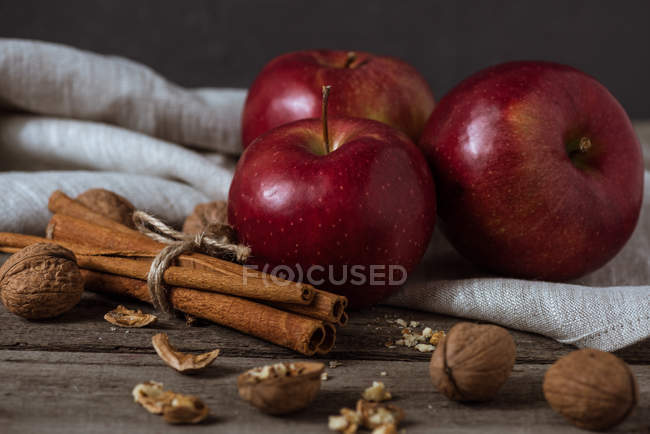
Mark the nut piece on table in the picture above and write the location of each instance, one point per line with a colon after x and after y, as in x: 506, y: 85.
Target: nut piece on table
x: 377, y: 392
x: 281, y: 388
x: 151, y: 396
x: 375, y: 415
x: 108, y: 204
x: 123, y: 317
x: 385, y: 429
x: 472, y: 361
x: 41, y: 281
x: 436, y: 337
x: 182, y: 362
x: 381, y: 418
x: 185, y: 409
x: 592, y: 389
x: 175, y: 408
x: 347, y: 422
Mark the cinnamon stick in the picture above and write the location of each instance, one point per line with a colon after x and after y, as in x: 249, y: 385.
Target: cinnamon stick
x: 177, y: 276
x: 325, y: 305
x: 63, y: 204
x: 299, y: 333
x: 78, y: 231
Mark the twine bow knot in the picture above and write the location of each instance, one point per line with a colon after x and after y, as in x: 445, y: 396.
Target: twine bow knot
x: 216, y: 243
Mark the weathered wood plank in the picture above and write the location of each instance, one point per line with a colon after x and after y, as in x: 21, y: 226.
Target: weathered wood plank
x: 84, y: 330
x: 90, y: 393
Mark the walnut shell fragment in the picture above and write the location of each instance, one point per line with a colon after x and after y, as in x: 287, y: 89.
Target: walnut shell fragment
x: 108, y: 204
x: 592, y: 389
x: 185, y: 409
x: 281, y: 388
x: 41, y: 281
x: 182, y: 362
x: 152, y: 397
x: 472, y: 361
x: 123, y: 317
x: 175, y: 408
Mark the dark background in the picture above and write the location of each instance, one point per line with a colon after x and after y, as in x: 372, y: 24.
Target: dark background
x: 225, y: 43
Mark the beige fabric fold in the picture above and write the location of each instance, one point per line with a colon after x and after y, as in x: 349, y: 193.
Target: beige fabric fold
x: 55, y: 80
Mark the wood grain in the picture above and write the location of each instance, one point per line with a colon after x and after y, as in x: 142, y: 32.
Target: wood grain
x: 84, y: 330
x: 89, y: 392
x: 74, y: 374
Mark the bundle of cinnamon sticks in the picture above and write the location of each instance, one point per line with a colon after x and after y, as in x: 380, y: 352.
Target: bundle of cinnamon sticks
x: 115, y: 259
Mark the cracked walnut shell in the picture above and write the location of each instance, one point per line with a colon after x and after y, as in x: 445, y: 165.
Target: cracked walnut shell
x: 123, y: 317
x: 281, y: 388
x: 182, y: 362
x: 592, y: 389
x: 175, y: 408
x: 41, y: 281
x: 472, y: 361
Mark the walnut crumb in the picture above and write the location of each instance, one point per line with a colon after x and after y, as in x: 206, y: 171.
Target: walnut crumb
x: 338, y: 423
x: 377, y: 392
x: 401, y: 322
x: 414, y: 324
x: 380, y: 418
x: 276, y: 370
x: 385, y: 429
x: 383, y: 373
x: 436, y: 337
x: 425, y: 348
x: 333, y: 364
x: 324, y: 376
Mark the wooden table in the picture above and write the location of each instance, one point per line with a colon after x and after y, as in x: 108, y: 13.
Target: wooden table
x: 75, y: 375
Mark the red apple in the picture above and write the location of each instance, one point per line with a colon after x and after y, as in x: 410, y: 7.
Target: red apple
x: 367, y: 86
x: 351, y: 212
x: 539, y: 172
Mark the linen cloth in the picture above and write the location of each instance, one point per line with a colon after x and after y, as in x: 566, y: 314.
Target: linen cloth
x: 74, y: 120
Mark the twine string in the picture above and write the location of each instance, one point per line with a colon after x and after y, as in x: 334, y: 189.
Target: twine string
x: 178, y: 243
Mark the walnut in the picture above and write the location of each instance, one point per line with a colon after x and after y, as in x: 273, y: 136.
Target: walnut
x: 186, y: 363
x: 41, y: 281
x: 472, y: 361
x: 108, y: 204
x: 206, y: 215
x: 592, y: 389
x: 281, y: 388
x: 123, y: 317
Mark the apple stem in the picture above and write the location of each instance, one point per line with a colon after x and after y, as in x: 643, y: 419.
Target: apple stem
x: 352, y: 56
x: 326, y: 138
x: 584, y: 144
